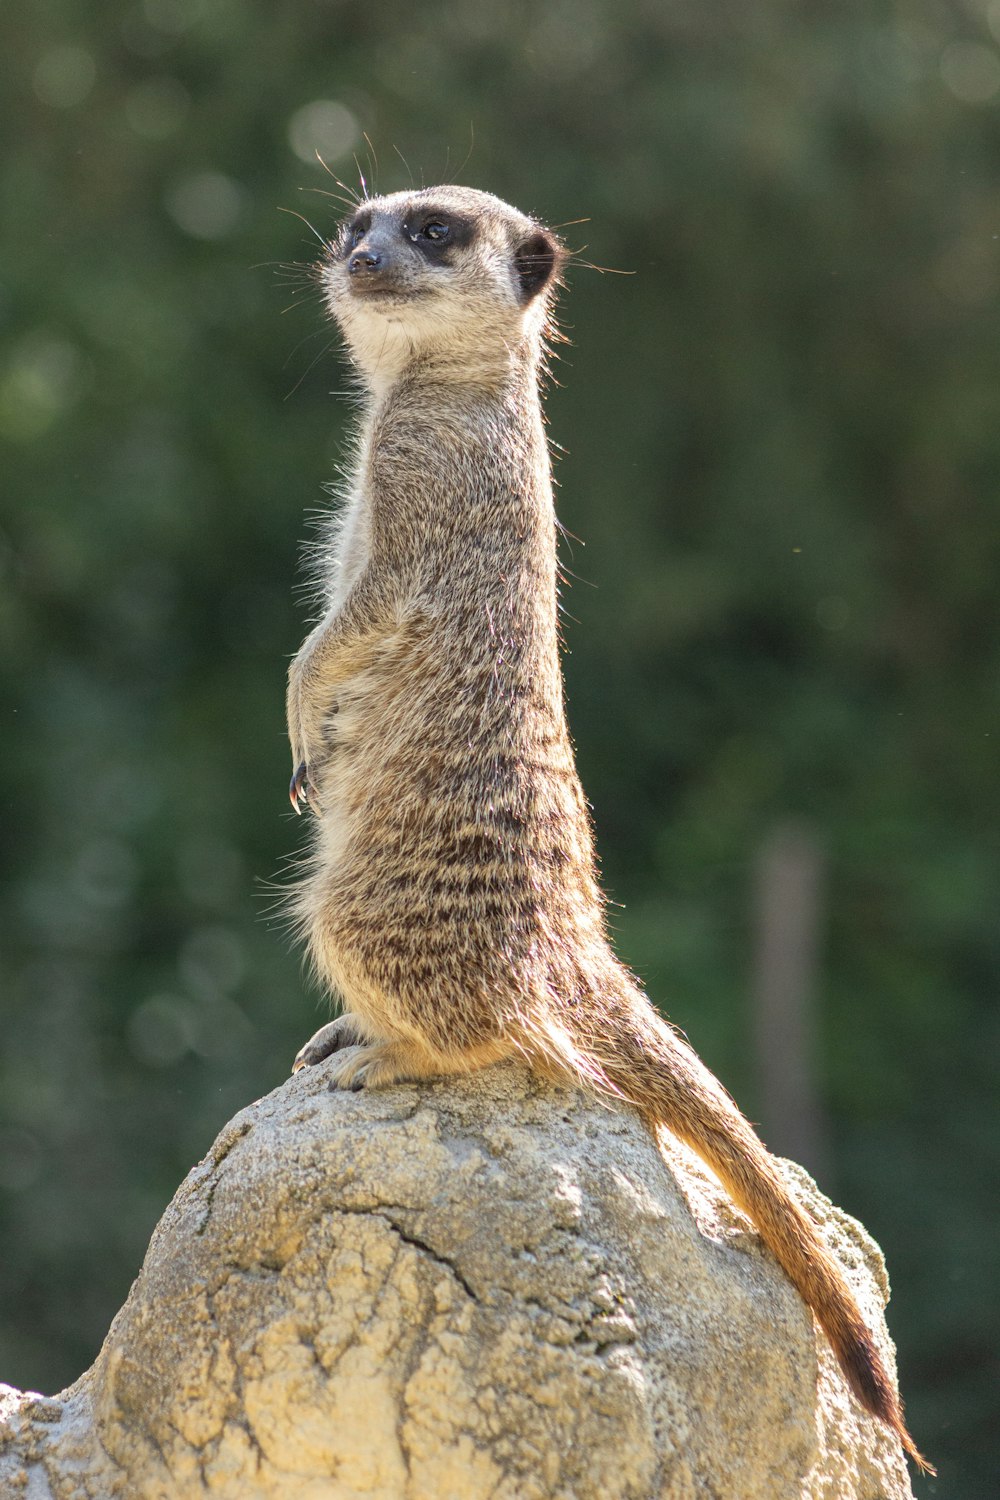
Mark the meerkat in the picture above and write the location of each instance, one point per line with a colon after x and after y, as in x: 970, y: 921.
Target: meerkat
x: 452, y: 902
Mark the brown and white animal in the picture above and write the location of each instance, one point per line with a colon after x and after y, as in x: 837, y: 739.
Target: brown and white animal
x: 452, y: 901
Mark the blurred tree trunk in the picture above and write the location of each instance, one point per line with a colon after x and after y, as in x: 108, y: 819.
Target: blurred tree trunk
x: 788, y: 899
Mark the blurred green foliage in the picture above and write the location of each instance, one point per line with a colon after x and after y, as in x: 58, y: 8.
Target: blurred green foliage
x: 782, y: 441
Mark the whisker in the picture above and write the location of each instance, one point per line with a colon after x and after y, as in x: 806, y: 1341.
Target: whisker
x: 468, y: 154
x: 372, y: 158
x: 406, y: 164
x: 330, y: 344
x: 296, y: 215
x: 355, y: 199
x: 292, y: 306
x: 340, y: 198
x: 573, y: 258
x: 306, y: 339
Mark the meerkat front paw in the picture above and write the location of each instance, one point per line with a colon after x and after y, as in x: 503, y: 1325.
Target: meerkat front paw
x: 363, y: 1064
x: 311, y: 714
x: 344, y: 1031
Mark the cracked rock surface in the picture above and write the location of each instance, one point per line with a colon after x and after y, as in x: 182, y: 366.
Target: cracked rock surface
x: 485, y: 1289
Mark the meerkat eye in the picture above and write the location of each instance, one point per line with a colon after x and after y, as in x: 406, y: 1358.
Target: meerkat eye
x: 355, y: 233
x: 435, y: 230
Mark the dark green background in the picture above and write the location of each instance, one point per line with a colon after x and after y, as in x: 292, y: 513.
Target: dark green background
x: 782, y: 441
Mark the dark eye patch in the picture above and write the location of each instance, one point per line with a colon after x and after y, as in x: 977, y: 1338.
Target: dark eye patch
x: 354, y: 231
x: 436, y: 232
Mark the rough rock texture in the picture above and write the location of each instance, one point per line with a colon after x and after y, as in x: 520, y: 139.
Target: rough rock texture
x: 484, y: 1288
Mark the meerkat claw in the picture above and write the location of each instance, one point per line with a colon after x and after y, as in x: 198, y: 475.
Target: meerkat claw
x: 298, y: 788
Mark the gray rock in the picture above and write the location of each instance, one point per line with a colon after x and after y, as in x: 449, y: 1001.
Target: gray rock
x: 488, y: 1287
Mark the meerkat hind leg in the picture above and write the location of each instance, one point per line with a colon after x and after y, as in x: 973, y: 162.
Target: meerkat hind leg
x: 380, y: 1064
x: 343, y: 1031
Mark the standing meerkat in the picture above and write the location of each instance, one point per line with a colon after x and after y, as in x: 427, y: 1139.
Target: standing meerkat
x: 452, y: 901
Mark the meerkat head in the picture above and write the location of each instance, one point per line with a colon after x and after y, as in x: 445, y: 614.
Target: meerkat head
x: 448, y: 278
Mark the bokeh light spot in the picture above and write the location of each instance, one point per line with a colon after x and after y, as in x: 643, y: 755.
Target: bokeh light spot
x: 161, y: 1030
x: 64, y: 77
x: 324, y: 128
x: 156, y: 109
x: 206, y: 205
x: 972, y: 71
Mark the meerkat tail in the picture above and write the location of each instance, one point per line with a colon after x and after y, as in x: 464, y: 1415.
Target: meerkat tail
x: 652, y: 1066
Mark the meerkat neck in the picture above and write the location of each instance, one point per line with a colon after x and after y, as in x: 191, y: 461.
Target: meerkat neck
x: 500, y: 369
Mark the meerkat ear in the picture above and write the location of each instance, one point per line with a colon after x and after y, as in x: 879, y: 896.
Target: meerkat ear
x: 536, y: 261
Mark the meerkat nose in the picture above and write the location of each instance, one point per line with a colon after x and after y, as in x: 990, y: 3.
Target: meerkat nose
x: 365, y: 261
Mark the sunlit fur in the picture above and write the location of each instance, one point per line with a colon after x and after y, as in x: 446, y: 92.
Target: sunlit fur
x: 452, y: 903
